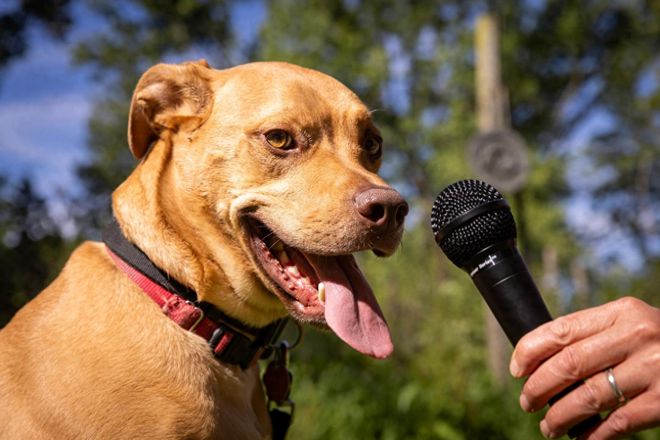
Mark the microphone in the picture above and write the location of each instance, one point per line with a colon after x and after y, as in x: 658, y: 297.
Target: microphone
x: 473, y: 225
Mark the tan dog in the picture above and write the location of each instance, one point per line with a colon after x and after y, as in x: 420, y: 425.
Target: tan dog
x: 256, y: 185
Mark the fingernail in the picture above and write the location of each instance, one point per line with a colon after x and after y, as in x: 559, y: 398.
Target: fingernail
x: 524, y: 404
x: 546, y: 430
x: 514, y: 368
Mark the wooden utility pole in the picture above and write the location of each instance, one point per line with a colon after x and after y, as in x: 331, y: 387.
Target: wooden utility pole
x: 492, y: 116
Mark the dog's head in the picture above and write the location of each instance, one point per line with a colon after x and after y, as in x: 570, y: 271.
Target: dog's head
x: 270, y: 178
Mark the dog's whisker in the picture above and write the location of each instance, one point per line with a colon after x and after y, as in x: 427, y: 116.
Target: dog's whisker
x: 270, y: 234
x: 275, y: 244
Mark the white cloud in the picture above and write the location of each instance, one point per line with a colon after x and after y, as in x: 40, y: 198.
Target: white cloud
x: 44, y: 138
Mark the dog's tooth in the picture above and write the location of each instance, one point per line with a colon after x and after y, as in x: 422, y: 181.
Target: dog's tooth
x: 321, y: 293
x: 283, y: 257
x: 293, y: 270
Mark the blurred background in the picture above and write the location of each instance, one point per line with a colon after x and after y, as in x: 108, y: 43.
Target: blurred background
x: 577, y: 81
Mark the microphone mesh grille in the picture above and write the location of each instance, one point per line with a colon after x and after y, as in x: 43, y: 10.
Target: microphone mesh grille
x: 476, y: 234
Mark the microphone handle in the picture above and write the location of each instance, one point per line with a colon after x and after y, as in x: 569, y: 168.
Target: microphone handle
x: 502, y: 277
x: 500, y: 274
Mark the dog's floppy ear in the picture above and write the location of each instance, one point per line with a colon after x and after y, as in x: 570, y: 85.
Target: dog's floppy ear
x: 168, y: 97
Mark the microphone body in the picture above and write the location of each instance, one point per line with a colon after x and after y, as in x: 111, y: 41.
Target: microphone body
x: 501, y: 275
x: 474, y: 227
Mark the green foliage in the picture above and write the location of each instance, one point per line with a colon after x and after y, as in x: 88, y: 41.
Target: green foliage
x: 412, y: 63
x: 566, y: 61
x: 31, y: 250
x: 15, y: 21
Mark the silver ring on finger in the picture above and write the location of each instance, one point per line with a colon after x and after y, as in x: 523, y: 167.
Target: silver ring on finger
x: 620, y: 397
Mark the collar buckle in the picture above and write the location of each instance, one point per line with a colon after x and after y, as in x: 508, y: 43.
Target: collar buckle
x: 199, y: 319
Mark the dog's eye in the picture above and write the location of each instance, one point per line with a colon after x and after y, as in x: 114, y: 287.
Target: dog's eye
x: 373, y: 145
x: 279, y: 139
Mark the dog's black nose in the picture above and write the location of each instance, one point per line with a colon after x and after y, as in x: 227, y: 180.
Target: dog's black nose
x: 383, y: 208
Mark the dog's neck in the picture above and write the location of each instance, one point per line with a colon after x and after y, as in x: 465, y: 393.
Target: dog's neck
x: 180, y: 234
x: 230, y: 341
x: 151, y: 217
x: 137, y: 205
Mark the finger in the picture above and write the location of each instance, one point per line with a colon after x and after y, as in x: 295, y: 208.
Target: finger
x: 575, y: 362
x: 551, y: 337
x: 593, y: 396
x: 638, y: 414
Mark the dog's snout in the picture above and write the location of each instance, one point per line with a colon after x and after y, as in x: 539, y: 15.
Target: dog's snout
x: 382, y: 207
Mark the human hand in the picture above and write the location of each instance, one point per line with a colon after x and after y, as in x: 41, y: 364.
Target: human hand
x: 623, y: 335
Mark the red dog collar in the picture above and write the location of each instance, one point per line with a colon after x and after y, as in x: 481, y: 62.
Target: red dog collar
x: 231, y: 341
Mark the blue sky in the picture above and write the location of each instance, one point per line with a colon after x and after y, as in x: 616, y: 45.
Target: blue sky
x: 44, y: 104
x: 43, y: 112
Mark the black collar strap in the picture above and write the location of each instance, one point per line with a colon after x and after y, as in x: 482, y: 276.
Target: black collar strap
x: 246, y: 343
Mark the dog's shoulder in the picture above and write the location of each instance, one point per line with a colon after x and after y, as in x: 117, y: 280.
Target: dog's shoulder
x: 88, y: 256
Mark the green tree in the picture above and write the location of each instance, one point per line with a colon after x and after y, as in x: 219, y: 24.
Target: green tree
x: 575, y: 63
x: 31, y: 248
x: 53, y: 15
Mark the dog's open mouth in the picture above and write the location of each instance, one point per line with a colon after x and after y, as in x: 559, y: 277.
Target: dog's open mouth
x: 323, y: 290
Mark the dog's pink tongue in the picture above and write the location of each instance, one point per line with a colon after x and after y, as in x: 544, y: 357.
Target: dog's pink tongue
x: 351, y: 309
